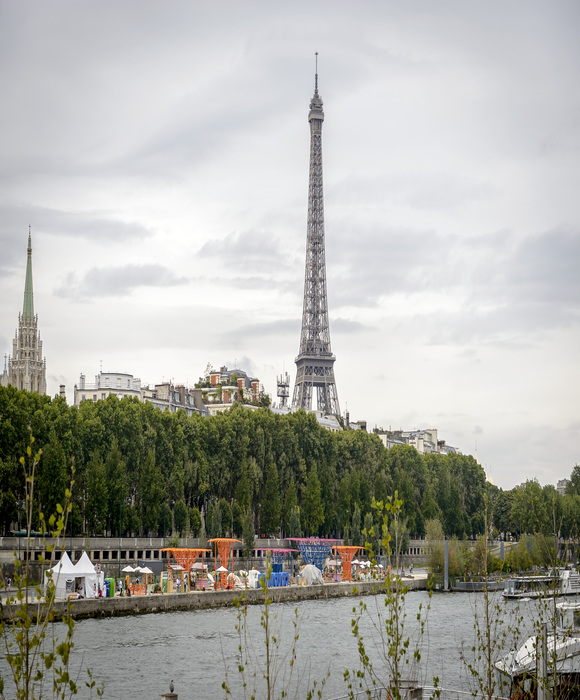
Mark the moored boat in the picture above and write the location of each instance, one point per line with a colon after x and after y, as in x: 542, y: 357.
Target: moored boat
x: 477, y: 584
x: 561, y: 582
x: 518, y: 670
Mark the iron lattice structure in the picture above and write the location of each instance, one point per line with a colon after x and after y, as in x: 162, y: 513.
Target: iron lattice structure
x: 315, y: 361
x: 313, y: 550
x: 276, y: 555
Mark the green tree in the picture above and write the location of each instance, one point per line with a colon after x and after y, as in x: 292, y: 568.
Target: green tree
x: 238, y: 520
x: 502, y: 511
x: 356, y: 525
x: 270, y: 516
x: 429, y: 508
x: 181, y: 518
x: 195, y: 521
x: 216, y: 520
x: 151, y: 494
x: 96, y: 508
x: 290, y: 502
x: 573, y: 487
x: 226, y: 516
x: 52, y: 479
x: 243, y: 491
x: 312, y: 508
x: 369, y: 532
x: 295, y: 525
x: 117, y: 491
x: 529, y: 513
x: 248, y: 535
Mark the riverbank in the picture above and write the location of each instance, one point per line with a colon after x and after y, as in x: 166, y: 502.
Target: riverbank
x: 199, y: 600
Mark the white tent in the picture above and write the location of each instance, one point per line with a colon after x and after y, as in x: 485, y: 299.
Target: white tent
x: 312, y: 574
x: 63, y: 576
x: 89, y: 581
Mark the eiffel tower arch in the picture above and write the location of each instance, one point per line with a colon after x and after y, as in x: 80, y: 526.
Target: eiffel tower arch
x: 315, y: 361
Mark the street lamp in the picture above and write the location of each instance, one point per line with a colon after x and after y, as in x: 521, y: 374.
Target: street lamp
x: 19, y: 504
x: 164, y: 514
x: 345, y: 512
x: 123, y: 501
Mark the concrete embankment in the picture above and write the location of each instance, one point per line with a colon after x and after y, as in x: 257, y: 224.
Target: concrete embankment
x: 197, y: 600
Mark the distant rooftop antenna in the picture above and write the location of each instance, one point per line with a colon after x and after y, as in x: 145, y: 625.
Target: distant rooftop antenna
x: 283, y: 392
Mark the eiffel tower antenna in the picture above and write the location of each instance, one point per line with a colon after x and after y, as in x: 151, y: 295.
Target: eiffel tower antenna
x: 315, y: 361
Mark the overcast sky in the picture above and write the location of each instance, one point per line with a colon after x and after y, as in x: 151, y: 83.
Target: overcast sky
x: 160, y: 152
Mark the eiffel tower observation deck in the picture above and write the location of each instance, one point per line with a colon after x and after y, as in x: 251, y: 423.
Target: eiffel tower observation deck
x: 315, y: 361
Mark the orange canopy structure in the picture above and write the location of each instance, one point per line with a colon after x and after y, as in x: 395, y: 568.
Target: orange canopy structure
x: 224, y: 546
x: 347, y: 555
x: 185, y: 557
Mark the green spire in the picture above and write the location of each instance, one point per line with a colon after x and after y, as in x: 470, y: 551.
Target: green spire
x: 28, y: 308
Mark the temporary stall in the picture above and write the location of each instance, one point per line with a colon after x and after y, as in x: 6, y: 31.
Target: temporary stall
x: 88, y: 582
x: 253, y: 575
x: 62, y: 576
x: 311, y: 574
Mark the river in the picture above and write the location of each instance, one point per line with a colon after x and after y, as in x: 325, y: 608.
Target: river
x: 137, y: 656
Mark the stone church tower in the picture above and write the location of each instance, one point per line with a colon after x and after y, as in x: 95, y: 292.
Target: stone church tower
x: 26, y: 369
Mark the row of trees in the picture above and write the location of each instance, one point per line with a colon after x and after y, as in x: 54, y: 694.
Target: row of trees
x: 533, y: 509
x: 148, y: 471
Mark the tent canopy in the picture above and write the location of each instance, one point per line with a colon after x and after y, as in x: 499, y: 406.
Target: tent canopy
x: 62, y: 572
x: 84, y: 566
x: 63, y: 567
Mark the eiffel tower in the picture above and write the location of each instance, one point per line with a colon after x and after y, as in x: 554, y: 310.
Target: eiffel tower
x: 315, y: 361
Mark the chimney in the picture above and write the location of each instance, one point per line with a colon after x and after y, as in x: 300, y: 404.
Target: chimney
x: 62, y: 392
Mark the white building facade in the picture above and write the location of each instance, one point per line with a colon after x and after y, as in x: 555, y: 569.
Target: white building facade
x: 166, y: 396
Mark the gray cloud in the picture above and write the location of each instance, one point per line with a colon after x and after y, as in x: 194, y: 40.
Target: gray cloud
x: 544, y: 269
x: 418, y: 190
x: 244, y: 362
x: 502, y: 285
x: 281, y: 327
x: 117, y: 281
x: 347, y: 326
x: 252, y: 250
x: 97, y: 226
x: 178, y: 142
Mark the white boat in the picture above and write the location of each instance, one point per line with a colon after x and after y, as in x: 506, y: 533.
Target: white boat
x: 561, y: 582
x: 518, y: 669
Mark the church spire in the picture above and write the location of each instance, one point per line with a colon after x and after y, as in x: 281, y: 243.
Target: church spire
x: 26, y: 367
x: 28, y: 307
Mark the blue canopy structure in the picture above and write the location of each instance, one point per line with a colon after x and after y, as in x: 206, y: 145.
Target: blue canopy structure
x: 313, y: 549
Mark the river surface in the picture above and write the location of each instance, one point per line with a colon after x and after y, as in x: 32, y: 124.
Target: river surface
x: 137, y: 656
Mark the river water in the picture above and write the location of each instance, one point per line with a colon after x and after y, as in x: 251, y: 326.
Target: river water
x: 137, y: 656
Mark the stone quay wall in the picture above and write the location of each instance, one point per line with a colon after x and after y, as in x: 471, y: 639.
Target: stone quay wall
x: 198, y: 600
